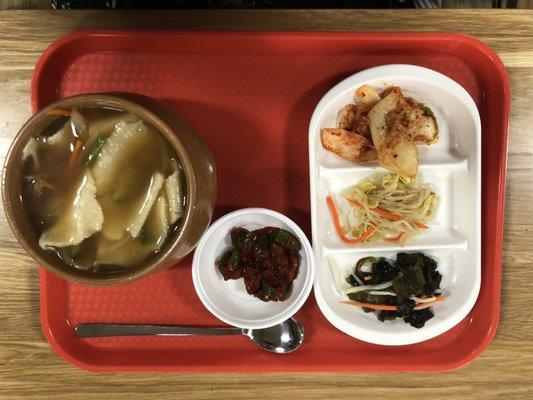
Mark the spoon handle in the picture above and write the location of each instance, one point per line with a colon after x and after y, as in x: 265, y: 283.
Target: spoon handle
x: 103, y: 330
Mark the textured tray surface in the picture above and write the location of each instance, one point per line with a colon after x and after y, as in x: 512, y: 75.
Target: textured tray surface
x: 250, y: 96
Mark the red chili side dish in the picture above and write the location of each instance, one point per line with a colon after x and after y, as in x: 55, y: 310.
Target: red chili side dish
x: 266, y: 258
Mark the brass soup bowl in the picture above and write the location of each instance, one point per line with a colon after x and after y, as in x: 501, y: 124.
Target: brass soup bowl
x: 200, y: 180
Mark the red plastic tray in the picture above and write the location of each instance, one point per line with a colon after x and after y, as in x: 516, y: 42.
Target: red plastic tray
x: 250, y: 95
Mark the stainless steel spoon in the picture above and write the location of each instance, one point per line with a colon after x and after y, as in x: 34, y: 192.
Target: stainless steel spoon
x: 282, y: 338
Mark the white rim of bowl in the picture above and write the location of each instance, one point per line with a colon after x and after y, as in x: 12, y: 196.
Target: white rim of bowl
x: 267, y: 322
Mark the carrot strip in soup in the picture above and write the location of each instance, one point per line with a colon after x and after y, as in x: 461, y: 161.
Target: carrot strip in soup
x: 75, y: 155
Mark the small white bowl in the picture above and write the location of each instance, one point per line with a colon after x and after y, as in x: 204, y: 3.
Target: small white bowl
x: 228, y: 300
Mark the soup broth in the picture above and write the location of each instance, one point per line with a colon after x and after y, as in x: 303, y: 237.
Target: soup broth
x: 103, y: 187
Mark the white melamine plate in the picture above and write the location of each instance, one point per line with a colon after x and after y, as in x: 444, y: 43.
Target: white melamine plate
x: 452, y: 166
x: 228, y: 300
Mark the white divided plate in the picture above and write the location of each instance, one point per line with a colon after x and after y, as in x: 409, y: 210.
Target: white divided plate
x: 452, y: 166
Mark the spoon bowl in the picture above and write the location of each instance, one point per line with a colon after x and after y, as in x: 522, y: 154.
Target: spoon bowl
x: 281, y: 338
